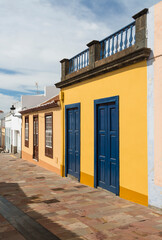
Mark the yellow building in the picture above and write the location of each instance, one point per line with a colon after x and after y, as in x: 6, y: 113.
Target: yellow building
x: 41, y: 135
x: 104, y: 113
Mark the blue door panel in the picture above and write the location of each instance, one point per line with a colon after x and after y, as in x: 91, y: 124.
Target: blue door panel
x: 113, y: 174
x: 102, y: 172
x: 76, y: 141
x: 101, y: 147
x: 112, y: 147
x: 112, y: 113
x: 72, y: 158
x: 107, y: 145
x: 76, y: 119
x: 70, y: 118
x: 70, y: 161
x: 102, y: 142
x: 77, y: 163
x: 70, y: 139
x: 102, y: 118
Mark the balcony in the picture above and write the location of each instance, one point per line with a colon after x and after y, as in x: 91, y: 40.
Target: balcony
x: 122, y: 48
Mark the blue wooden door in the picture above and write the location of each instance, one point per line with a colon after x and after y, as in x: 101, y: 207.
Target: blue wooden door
x: 73, y: 140
x: 107, y: 146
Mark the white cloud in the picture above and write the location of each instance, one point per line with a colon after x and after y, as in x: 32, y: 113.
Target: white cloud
x: 24, y: 82
x: 37, y: 34
x: 6, y: 102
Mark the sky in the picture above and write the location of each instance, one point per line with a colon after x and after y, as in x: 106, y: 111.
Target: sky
x: 36, y: 34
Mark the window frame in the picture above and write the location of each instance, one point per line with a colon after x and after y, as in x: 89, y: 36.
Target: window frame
x: 26, y: 141
x: 49, y: 150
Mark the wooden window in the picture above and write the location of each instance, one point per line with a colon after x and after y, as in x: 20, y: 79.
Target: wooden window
x: 27, y: 131
x: 49, y: 135
x: 35, y: 137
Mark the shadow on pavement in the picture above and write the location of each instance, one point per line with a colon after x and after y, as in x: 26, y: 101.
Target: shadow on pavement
x: 14, y: 207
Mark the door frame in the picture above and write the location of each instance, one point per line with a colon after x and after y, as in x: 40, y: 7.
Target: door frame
x: 114, y: 99
x: 67, y: 107
x: 36, y: 116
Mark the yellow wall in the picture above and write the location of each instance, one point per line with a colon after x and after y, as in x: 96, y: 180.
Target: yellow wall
x: 130, y: 83
x: 27, y: 152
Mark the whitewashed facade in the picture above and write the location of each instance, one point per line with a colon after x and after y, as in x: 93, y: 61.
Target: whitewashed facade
x: 13, y: 130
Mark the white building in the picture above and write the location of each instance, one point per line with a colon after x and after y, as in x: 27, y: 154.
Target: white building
x: 13, y: 130
x: 29, y: 101
x: 8, y: 132
x: 2, y: 130
x: 13, y: 121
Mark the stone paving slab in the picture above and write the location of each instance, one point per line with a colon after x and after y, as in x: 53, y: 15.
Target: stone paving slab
x: 69, y: 209
x: 24, y: 224
x: 7, y: 231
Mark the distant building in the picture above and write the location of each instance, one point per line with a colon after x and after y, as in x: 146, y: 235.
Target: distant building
x: 41, y: 134
x: 8, y: 133
x: 13, y: 130
x: 13, y: 121
x: 2, y: 130
x: 29, y: 101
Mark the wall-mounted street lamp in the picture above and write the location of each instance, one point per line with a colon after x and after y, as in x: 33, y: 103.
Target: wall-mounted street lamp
x: 12, y: 111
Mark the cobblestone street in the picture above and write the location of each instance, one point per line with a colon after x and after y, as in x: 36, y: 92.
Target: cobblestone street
x: 47, y: 203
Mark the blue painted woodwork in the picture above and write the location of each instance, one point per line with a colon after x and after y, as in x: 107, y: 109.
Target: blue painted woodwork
x: 112, y: 49
x: 116, y: 47
x: 118, y: 39
x: 125, y: 42
x: 106, y: 144
x: 121, y: 41
x: 104, y: 49
x: 79, y: 61
x: 110, y: 45
x: 131, y: 37
x: 84, y: 59
x: 72, y: 140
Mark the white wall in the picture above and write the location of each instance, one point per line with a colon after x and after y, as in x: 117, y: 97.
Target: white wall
x: 8, y: 133
x: 29, y: 101
x: 154, y: 191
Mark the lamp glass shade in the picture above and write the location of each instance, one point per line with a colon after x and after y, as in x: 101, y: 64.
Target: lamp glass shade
x: 12, y: 110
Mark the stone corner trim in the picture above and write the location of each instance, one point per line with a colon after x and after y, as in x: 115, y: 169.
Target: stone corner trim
x: 141, y: 13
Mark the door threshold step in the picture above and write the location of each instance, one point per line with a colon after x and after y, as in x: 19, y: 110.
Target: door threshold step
x: 103, y: 189
x: 72, y: 177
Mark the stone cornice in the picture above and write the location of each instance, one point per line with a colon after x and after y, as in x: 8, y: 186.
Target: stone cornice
x: 119, y: 60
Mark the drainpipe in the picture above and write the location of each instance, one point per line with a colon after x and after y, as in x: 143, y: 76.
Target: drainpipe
x: 64, y: 71
x: 21, y: 137
x: 62, y: 134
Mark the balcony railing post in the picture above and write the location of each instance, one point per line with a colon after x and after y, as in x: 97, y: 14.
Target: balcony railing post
x: 141, y: 28
x: 64, y: 68
x: 94, y: 52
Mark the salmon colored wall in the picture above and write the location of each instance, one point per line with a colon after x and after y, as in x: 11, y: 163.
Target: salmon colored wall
x: 158, y: 93
x: 130, y: 83
x: 28, y: 152
x: 40, y: 163
x: 29, y: 149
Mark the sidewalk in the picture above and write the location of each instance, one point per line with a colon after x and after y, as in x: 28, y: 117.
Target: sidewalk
x: 69, y: 209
